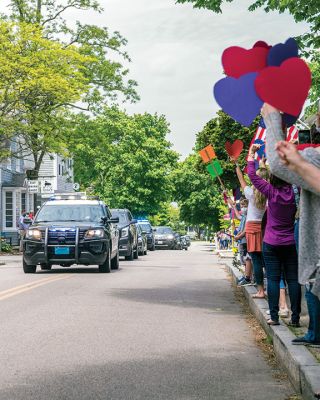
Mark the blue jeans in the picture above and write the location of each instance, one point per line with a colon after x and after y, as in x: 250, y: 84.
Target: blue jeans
x: 276, y: 258
x: 313, y: 304
x: 258, y: 264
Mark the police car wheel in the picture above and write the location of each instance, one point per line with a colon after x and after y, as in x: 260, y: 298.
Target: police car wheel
x: 29, y: 269
x: 115, y: 262
x: 106, y: 266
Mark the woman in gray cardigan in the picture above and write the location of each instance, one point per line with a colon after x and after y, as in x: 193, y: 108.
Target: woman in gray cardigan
x: 309, y: 230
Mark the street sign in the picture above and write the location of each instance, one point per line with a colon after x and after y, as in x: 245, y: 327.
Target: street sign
x: 33, y: 186
x: 47, y: 187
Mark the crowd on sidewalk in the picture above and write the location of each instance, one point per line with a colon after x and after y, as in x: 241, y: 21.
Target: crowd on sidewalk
x: 278, y: 235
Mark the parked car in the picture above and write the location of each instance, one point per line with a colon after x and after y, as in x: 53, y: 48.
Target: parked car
x: 164, y: 237
x: 128, y: 233
x: 178, y: 245
x: 149, y: 232
x: 184, y: 243
x: 188, y: 240
x: 68, y: 230
x: 142, y: 241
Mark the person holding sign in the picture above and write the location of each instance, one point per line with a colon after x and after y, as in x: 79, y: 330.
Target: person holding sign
x: 279, y: 250
x: 256, y: 209
x: 309, y: 250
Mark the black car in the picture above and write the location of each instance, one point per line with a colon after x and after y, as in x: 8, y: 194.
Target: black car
x: 165, y: 238
x: 149, y: 232
x: 184, y: 243
x: 178, y: 245
x: 128, y: 233
x: 72, y: 231
x: 142, y: 241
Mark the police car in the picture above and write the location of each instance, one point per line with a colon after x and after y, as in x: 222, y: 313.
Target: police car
x: 72, y: 229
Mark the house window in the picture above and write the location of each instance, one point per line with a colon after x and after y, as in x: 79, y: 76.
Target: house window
x: 59, y: 169
x: 9, y: 209
x: 23, y: 202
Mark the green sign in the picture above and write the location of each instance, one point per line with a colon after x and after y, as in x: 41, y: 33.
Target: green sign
x: 214, y: 169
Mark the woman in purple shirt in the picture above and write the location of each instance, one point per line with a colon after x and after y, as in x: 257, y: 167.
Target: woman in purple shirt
x: 279, y: 250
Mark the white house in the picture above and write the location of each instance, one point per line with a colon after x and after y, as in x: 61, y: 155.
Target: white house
x: 17, y: 194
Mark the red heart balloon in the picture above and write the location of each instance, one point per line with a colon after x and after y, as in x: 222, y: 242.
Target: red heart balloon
x: 261, y: 43
x: 286, y: 87
x: 234, y: 149
x: 238, y: 61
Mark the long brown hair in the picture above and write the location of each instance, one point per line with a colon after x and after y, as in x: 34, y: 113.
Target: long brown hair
x: 260, y: 200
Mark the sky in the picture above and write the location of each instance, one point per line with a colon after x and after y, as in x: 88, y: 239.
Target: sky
x: 176, y: 54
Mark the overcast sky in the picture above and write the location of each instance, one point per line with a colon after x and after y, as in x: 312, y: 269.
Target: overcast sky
x: 176, y: 52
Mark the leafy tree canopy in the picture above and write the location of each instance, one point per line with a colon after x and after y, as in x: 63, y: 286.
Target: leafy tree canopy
x: 39, y: 79
x: 127, y: 160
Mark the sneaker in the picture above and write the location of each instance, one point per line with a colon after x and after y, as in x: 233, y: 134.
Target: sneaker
x: 294, y: 324
x: 304, y: 341
x: 284, y: 313
x: 244, y: 282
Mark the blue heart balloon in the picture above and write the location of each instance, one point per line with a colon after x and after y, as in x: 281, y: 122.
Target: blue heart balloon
x: 238, y: 98
x: 282, y: 51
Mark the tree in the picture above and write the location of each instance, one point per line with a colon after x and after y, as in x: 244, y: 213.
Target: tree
x: 197, y: 195
x: 107, y: 77
x: 39, y: 78
x: 75, y: 68
x: 217, y: 132
x: 125, y: 159
x: 301, y: 10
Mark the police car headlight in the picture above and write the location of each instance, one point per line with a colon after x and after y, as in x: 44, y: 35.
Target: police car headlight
x: 94, y: 234
x: 33, y: 234
x: 125, y: 232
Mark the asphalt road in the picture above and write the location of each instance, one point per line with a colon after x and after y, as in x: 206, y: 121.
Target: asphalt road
x: 166, y: 326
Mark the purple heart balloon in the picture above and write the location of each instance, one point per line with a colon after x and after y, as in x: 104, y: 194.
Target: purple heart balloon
x: 282, y: 51
x: 238, y: 98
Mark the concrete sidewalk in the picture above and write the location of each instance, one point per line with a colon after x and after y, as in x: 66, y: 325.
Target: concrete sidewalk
x: 302, y: 367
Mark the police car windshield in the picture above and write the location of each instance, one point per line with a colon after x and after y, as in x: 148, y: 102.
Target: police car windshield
x: 69, y: 213
x: 145, y: 227
x: 163, y: 230
x: 122, y: 215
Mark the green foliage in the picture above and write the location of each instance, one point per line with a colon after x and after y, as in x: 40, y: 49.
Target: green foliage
x: 49, y: 69
x: 314, y: 94
x: 38, y: 79
x: 125, y: 159
x: 4, y: 246
x: 217, y: 132
x: 169, y: 216
x: 198, y: 195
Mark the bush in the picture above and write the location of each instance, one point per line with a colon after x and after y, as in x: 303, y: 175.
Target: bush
x: 5, y: 247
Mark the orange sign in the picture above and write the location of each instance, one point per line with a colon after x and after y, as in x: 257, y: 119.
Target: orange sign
x: 207, y: 154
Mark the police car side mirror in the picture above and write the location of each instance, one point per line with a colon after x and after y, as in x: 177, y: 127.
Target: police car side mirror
x: 114, y: 220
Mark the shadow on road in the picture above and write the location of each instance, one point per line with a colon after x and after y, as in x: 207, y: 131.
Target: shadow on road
x: 216, y: 375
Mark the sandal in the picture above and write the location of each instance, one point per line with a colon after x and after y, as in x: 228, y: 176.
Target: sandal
x: 272, y: 322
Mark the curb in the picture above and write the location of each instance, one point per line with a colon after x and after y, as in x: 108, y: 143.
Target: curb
x: 302, y: 368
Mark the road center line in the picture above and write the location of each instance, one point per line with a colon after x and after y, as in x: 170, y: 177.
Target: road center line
x: 5, y: 294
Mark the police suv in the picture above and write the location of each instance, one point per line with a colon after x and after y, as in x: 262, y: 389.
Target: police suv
x: 72, y: 229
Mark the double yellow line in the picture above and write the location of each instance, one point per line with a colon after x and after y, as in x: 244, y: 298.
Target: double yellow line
x: 5, y: 294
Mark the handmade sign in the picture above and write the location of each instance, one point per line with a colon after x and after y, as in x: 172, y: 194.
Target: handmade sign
x: 282, y: 51
x: 234, y: 150
x: 237, y: 61
x: 261, y: 43
x: 214, y: 169
x: 273, y: 75
x: 207, y: 154
x: 238, y: 98
x: 286, y: 87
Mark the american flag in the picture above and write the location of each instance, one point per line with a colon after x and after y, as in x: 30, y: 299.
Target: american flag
x: 260, y: 135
